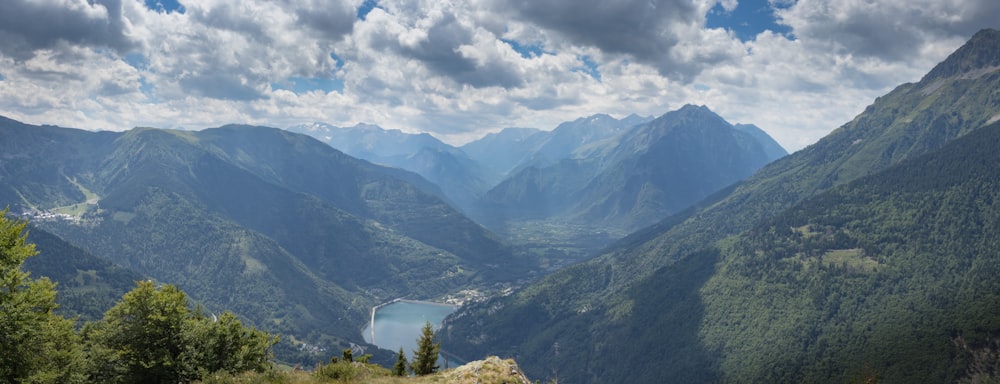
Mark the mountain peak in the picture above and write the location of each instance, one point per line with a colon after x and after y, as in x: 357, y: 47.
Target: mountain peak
x: 692, y: 107
x: 701, y: 111
x: 635, y: 119
x: 592, y: 119
x: 979, y: 55
x: 365, y: 127
x: 690, y: 111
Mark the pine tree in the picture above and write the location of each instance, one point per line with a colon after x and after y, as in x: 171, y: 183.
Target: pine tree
x: 400, y: 368
x: 426, y: 355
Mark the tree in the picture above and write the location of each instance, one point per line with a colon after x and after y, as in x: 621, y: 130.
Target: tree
x: 141, y: 339
x: 426, y: 355
x: 151, y: 336
x: 400, y: 368
x: 223, y: 343
x: 36, y: 345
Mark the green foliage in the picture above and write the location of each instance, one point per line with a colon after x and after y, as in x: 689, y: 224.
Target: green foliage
x: 152, y: 337
x: 399, y: 369
x: 36, y: 345
x: 142, y: 339
x: 345, y: 371
x: 426, y: 355
x: 225, y: 344
x: 341, y: 370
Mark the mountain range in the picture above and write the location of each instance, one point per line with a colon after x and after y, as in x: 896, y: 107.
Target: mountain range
x: 461, y: 179
x: 634, y: 176
x: 861, y: 257
x: 298, y: 237
x: 621, y: 173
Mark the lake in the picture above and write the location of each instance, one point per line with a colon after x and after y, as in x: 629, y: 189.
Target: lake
x: 398, y: 324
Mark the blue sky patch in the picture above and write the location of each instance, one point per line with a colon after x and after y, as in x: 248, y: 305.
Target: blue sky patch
x: 340, y: 62
x: 165, y: 6
x: 136, y: 60
x: 750, y: 18
x: 526, y: 51
x: 589, y: 67
x: 146, y: 88
x: 366, y: 7
x: 301, y: 85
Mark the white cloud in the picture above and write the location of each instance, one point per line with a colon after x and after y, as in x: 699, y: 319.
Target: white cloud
x: 444, y: 67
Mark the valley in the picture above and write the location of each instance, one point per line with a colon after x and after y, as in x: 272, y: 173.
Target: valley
x: 302, y: 239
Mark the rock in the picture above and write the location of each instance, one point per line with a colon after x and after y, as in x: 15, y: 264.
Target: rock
x: 492, y: 370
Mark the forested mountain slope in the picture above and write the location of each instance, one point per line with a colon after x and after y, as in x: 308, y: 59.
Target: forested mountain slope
x: 661, y: 272
x: 275, y: 226
x: 88, y: 285
x: 892, y: 273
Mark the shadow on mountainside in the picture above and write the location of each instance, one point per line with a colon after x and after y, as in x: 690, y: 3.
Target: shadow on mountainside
x: 661, y: 344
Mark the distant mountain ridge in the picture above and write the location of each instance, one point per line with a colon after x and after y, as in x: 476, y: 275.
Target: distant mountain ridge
x: 503, y: 151
x: 460, y: 178
x: 629, y: 176
x: 598, y: 171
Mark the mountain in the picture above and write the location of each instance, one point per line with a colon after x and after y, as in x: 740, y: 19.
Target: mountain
x: 88, y: 285
x: 515, y: 148
x: 630, y: 177
x: 568, y: 137
x: 653, y: 305
x: 773, y: 150
x: 275, y: 226
x: 892, y: 273
x: 371, y: 142
x: 461, y: 179
x: 502, y: 151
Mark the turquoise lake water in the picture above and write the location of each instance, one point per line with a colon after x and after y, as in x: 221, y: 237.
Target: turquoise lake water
x: 399, y: 324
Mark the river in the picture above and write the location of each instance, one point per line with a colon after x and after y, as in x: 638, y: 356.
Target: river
x: 399, y: 324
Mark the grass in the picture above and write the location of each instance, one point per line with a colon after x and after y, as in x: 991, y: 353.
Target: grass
x: 77, y: 210
x: 853, y: 259
x: 492, y: 370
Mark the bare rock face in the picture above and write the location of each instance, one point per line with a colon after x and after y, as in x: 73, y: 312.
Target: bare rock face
x: 492, y: 370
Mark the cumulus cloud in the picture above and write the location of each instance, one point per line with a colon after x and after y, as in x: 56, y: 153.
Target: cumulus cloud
x: 459, y: 69
x: 656, y: 32
x: 27, y: 26
x: 891, y: 30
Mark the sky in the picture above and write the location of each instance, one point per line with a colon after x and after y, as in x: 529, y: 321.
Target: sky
x: 461, y: 69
